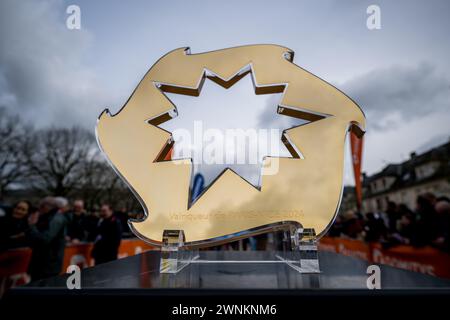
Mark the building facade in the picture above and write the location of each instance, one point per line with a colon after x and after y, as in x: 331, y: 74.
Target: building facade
x: 402, y: 183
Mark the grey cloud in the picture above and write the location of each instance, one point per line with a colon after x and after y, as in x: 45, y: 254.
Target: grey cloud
x: 433, y: 142
x: 388, y: 95
x: 400, y: 93
x: 42, y: 75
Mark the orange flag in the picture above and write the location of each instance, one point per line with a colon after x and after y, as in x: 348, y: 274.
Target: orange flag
x: 356, y: 147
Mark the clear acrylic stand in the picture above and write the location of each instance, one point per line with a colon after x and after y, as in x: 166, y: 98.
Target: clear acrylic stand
x: 174, y: 256
x: 299, y: 251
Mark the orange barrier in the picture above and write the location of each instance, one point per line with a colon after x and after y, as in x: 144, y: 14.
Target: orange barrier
x: 426, y: 260
x: 13, y: 268
x: 80, y: 254
x: 14, y: 263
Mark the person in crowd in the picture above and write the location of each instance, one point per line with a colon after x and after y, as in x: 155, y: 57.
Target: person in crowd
x: 337, y: 228
x: 405, y: 232
x: 77, y: 230
x: 392, y: 216
x: 14, y: 225
x: 426, y: 219
x: 375, y: 229
x: 62, y: 204
x: 430, y: 197
x: 123, y: 217
x: 352, y: 226
x: 90, y: 225
x: 442, y: 240
x: 46, y: 235
x: 402, y: 210
x: 429, y: 224
x: 109, y: 234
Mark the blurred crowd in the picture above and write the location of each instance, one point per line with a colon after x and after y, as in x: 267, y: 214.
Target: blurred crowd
x: 54, y: 223
x: 426, y: 224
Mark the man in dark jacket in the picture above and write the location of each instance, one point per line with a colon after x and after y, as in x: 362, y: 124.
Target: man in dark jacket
x: 46, y: 236
x: 109, y: 234
x: 77, y: 230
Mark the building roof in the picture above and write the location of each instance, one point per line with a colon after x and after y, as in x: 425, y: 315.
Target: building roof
x: 405, y: 173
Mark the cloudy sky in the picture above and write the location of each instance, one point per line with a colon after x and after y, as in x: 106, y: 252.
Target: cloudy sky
x: 399, y: 74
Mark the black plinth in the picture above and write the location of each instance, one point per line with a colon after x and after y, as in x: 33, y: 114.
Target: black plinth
x: 133, y: 287
x: 337, y: 272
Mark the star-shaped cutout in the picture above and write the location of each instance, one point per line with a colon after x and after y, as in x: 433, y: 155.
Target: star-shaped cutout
x: 228, y: 121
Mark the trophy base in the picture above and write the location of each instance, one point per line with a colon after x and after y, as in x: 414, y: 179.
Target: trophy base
x: 299, y: 252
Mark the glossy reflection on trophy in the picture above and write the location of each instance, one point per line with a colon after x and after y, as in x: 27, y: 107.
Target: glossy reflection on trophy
x: 296, y: 192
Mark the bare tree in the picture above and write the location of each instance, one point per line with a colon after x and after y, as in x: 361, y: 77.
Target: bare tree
x: 58, y: 161
x: 102, y: 184
x: 57, y: 158
x: 99, y: 182
x: 12, y: 164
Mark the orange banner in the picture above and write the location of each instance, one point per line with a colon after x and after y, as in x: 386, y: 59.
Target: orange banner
x: 426, y: 260
x: 13, y: 268
x: 14, y: 263
x: 356, y: 145
x: 356, y: 249
x: 80, y: 254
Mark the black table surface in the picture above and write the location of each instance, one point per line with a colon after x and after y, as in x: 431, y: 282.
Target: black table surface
x: 337, y: 272
x: 133, y: 287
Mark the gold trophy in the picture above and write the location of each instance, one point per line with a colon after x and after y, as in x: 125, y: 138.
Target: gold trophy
x: 302, y: 197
